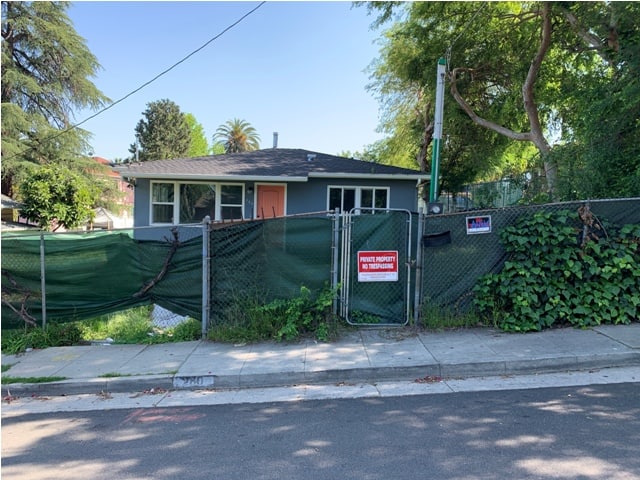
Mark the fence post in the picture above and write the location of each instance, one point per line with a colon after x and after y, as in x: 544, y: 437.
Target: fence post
x: 417, y: 303
x: 206, y: 275
x: 43, y: 283
x: 335, y: 253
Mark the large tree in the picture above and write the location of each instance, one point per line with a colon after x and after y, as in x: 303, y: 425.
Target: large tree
x: 199, y: 145
x: 46, y: 71
x: 163, y: 133
x: 520, y: 71
x: 237, y: 136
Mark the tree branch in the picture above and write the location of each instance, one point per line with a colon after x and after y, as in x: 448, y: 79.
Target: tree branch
x: 593, y: 41
x: 165, y: 268
x: 483, y: 122
x: 22, y: 313
x: 537, y: 136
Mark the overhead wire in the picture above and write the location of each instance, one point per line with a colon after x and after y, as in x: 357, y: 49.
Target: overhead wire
x: 447, y: 54
x: 113, y: 104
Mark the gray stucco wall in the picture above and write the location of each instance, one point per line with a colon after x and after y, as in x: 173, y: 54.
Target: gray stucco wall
x: 302, y: 197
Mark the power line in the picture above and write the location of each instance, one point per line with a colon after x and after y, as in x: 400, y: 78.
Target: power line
x: 73, y: 127
x: 447, y: 54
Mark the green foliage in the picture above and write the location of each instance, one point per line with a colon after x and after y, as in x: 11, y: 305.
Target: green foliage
x: 127, y: 326
x: 186, y: 331
x: 199, y: 145
x: 53, y: 335
x: 364, y: 318
x: 53, y: 194
x: 8, y: 380
x: 135, y: 326
x: 562, y: 271
x: 584, y: 99
x: 436, y: 317
x: 163, y: 133
x: 237, y: 136
x: 248, y: 320
x: 46, y: 67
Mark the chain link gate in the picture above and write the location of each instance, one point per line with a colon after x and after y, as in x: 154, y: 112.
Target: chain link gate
x: 375, y: 271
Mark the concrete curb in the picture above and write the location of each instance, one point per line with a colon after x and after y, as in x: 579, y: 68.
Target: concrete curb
x: 141, y: 383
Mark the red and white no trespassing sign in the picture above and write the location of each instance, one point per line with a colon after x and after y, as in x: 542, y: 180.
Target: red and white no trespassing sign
x: 378, y: 266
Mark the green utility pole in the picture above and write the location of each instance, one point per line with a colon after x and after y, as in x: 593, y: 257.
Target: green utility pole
x: 437, y: 132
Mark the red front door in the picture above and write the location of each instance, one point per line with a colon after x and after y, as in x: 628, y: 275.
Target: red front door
x: 270, y: 201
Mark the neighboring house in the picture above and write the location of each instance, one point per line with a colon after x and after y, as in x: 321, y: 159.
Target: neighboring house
x: 122, y: 218
x: 10, y: 209
x: 264, y: 184
x: 11, y: 219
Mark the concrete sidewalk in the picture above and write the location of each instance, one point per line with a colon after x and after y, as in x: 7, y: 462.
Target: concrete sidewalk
x: 363, y: 356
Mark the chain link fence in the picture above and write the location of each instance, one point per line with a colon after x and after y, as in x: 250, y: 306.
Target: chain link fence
x: 63, y: 277
x: 376, y: 261
x: 256, y: 262
x: 217, y: 272
x: 460, y: 248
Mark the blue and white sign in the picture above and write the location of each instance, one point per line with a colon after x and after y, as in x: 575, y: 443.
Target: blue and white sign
x: 479, y: 224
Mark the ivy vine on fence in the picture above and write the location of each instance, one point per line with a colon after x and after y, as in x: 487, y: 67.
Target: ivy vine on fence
x: 564, y: 268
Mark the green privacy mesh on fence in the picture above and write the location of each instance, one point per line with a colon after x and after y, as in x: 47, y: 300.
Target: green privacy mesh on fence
x: 255, y: 262
x: 90, y: 274
x: 259, y: 261
x: 455, y: 257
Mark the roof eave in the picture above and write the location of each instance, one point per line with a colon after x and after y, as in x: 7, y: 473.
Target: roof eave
x: 370, y: 176
x: 205, y: 177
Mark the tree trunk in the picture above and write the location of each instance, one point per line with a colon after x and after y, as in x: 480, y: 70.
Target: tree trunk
x: 535, y: 135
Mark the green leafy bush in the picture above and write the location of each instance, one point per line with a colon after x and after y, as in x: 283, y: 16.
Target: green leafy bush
x: 53, y: 335
x: 563, y: 271
x: 280, y: 319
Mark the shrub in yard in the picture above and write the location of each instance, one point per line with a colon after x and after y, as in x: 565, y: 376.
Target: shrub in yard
x: 564, y: 268
x: 186, y: 331
x: 53, y: 335
x: 280, y: 319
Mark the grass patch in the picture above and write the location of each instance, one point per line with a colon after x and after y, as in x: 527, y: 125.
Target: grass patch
x: 54, y: 335
x: 7, y: 366
x: 435, y: 317
x: 133, y: 326
x: 114, y: 375
x: 128, y: 326
x: 6, y: 380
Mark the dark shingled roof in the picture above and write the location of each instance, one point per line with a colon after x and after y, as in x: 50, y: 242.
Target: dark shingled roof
x: 272, y: 163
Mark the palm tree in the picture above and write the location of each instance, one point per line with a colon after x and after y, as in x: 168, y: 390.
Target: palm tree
x: 237, y: 136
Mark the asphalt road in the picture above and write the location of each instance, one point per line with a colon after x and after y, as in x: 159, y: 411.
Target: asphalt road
x: 580, y: 432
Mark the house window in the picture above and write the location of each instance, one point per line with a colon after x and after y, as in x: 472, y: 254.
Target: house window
x: 231, y: 202
x: 197, y: 200
x: 162, y: 202
x: 347, y: 198
x: 194, y: 201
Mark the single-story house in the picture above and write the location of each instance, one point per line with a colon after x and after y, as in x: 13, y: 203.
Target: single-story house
x: 264, y: 184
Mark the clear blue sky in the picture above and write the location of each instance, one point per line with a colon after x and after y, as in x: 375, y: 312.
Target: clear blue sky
x: 296, y: 68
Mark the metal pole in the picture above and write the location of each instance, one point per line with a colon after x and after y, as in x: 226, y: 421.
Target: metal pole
x: 409, y: 240
x: 206, y: 277
x: 417, y: 304
x: 334, y: 257
x: 437, y: 131
x: 43, y: 283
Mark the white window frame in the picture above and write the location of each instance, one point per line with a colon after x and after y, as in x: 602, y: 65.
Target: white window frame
x: 358, y: 194
x: 176, y: 199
